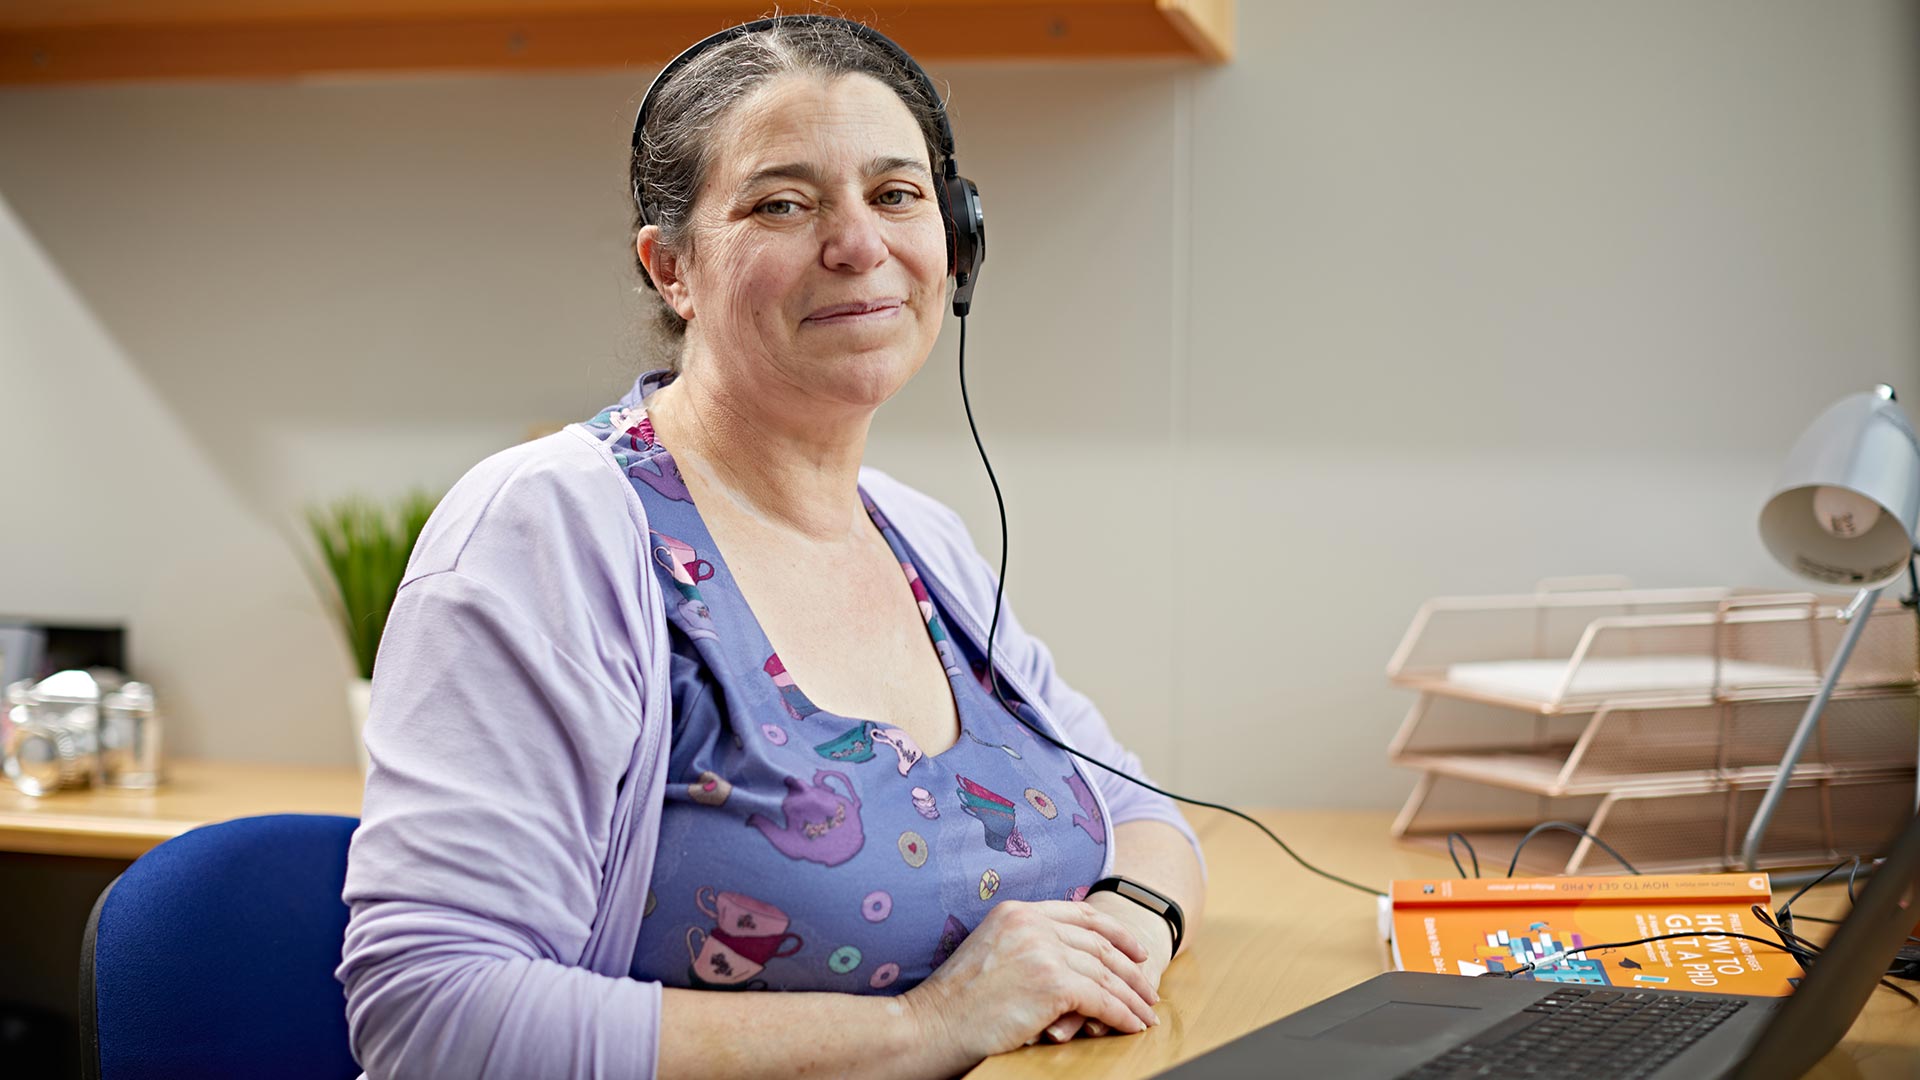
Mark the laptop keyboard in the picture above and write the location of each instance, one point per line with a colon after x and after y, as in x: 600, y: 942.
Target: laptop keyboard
x: 1586, y: 1032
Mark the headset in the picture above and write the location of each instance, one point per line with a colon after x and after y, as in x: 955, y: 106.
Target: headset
x: 959, y: 198
x: 966, y: 251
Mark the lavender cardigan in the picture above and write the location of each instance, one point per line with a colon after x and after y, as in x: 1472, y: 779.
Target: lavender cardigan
x: 519, y: 741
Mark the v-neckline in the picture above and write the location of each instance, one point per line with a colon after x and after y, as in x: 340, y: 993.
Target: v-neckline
x: 774, y: 654
x: 933, y: 624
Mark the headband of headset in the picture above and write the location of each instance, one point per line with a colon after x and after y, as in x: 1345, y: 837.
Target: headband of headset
x: 959, y: 199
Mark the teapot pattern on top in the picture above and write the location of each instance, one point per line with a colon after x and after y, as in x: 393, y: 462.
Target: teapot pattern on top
x: 802, y: 850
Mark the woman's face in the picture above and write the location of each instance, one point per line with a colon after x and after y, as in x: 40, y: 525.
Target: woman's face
x: 816, y: 263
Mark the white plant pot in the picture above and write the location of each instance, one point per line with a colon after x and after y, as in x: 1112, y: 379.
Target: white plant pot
x: 359, y: 696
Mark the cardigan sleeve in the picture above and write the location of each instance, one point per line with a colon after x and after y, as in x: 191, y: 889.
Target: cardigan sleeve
x: 500, y: 735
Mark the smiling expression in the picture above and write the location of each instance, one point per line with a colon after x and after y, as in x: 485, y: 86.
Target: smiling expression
x: 816, y: 253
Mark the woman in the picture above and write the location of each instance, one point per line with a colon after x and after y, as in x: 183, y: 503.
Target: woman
x: 602, y: 802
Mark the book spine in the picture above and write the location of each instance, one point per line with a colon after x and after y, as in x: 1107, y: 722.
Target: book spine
x: 1746, y: 889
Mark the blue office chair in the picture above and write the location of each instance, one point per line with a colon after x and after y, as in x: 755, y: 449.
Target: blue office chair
x: 213, y: 954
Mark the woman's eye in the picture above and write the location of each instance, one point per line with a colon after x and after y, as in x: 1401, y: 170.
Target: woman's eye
x: 777, y: 207
x: 896, y: 197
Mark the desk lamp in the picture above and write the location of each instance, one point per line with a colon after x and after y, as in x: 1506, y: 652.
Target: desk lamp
x: 1844, y: 513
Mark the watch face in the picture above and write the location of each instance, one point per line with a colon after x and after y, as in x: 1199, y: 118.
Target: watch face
x: 1138, y: 893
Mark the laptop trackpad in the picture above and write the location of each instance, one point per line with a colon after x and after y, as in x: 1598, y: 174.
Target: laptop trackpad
x: 1400, y: 1023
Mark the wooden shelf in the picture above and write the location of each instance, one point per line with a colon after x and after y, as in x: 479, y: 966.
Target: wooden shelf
x: 77, y: 41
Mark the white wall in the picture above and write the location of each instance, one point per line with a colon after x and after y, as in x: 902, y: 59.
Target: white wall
x: 117, y: 514
x: 1410, y: 299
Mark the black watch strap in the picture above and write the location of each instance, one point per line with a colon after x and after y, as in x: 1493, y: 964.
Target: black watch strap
x: 1157, y: 902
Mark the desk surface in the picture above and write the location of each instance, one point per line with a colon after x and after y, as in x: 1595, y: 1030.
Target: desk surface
x: 115, y: 824
x: 1275, y: 938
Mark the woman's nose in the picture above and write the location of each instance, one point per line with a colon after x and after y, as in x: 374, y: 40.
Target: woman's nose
x: 853, y: 240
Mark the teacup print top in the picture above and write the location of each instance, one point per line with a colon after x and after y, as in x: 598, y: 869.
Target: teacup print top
x: 801, y: 850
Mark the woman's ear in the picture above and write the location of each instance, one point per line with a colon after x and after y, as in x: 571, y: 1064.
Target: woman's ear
x: 664, y: 267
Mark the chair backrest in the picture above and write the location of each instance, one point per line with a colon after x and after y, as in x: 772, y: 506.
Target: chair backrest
x: 213, y: 956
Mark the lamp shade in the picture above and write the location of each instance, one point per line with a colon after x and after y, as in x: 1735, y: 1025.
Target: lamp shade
x: 1848, y: 500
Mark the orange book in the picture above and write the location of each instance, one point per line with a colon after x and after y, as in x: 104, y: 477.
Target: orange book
x: 1480, y: 925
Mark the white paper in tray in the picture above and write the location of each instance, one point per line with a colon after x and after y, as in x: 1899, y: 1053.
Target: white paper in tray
x: 1539, y: 680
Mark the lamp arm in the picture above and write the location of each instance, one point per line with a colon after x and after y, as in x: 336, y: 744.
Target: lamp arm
x: 1862, y: 609
x: 1913, y: 600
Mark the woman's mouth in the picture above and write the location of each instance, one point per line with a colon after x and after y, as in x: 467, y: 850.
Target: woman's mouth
x: 859, y: 311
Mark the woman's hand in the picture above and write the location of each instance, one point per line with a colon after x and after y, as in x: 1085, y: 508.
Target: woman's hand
x: 1023, y: 968
x: 1149, y: 929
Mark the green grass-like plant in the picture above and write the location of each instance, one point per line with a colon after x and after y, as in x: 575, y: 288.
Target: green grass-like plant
x: 365, y: 546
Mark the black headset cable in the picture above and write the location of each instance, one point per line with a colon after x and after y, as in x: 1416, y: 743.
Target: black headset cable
x: 994, y: 677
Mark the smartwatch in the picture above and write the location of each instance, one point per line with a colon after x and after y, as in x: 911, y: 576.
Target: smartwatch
x: 1158, y: 903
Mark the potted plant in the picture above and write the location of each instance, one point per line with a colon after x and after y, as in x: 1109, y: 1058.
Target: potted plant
x: 365, y: 546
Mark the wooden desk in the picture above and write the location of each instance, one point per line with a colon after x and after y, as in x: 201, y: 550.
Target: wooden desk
x: 124, y: 824
x: 1275, y: 939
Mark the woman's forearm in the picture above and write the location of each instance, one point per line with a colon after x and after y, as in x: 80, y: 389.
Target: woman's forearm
x: 785, y: 1036
x: 1157, y: 855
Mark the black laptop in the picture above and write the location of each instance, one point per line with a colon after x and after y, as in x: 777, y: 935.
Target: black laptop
x: 1420, y: 1025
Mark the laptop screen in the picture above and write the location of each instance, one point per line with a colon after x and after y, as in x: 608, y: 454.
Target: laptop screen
x: 1853, y: 963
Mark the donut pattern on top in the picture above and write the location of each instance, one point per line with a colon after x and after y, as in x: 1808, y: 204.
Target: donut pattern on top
x: 802, y: 850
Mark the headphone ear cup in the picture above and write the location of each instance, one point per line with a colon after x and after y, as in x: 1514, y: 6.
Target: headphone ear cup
x: 966, y: 237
